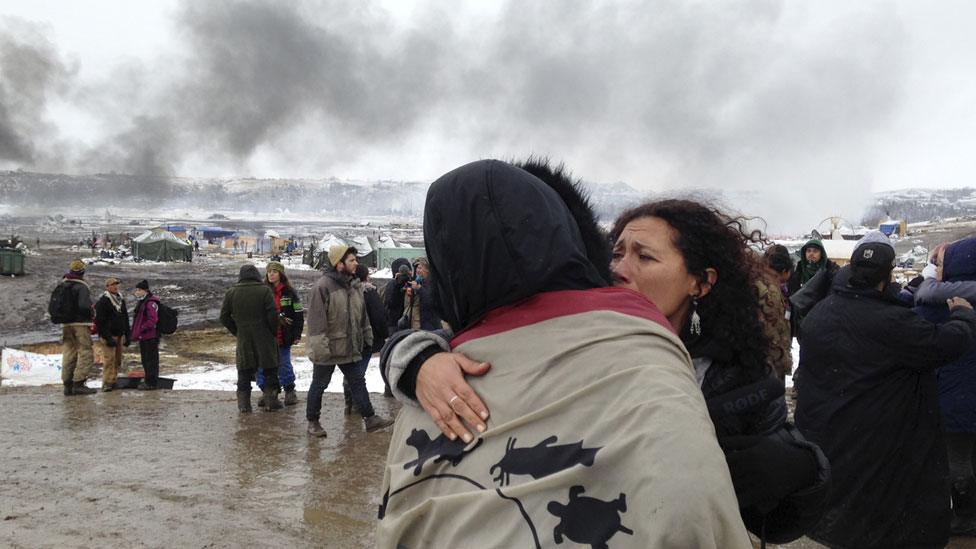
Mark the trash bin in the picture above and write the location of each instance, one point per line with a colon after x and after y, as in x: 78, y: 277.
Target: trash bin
x: 11, y: 261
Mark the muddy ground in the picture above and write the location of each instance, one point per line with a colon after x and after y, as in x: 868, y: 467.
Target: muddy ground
x: 183, y: 469
x: 195, y: 288
x: 177, y: 468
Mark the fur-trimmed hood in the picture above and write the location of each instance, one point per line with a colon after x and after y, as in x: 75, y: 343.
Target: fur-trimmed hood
x: 495, y: 235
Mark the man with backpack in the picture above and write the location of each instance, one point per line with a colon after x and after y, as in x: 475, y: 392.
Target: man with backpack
x: 71, y: 307
x: 144, y: 330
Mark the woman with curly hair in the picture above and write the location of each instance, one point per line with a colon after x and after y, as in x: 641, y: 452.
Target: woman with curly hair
x: 694, y: 264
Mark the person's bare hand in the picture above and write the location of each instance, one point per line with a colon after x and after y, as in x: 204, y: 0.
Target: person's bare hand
x: 439, y: 381
x: 958, y: 302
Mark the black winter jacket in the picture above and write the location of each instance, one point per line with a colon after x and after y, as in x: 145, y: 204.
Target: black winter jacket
x: 377, y: 317
x: 780, y: 478
x: 291, y: 307
x: 868, y: 397
x: 80, y: 296
x: 111, y: 323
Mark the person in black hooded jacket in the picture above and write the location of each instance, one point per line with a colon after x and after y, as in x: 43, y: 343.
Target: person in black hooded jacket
x: 780, y: 478
x: 598, y: 369
x: 869, y: 398
x: 394, y: 294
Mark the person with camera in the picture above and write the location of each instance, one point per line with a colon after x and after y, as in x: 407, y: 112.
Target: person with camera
x: 395, y: 291
x: 419, y: 311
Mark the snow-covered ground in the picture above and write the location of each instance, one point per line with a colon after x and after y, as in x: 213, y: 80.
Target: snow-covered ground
x: 223, y: 377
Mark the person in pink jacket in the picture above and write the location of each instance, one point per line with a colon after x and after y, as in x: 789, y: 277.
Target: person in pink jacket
x: 145, y: 332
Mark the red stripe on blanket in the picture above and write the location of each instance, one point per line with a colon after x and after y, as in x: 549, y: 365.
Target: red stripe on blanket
x: 549, y: 305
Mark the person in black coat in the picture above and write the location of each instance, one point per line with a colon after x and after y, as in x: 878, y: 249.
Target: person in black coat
x: 376, y: 311
x: 869, y: 398
x: 395, y: 291
x: 112, y: 324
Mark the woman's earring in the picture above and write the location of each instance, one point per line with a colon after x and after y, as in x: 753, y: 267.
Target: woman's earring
x: 695, y: 318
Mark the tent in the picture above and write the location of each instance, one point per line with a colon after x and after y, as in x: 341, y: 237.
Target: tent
x: 161, y: 245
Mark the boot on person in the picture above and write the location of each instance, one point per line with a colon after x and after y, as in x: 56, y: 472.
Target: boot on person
x: 315, y: 429
x: 244, y: 401
x: 261, y: 402
x: 68, y: 389
x: 291, y: 397
x: 108, y: 387
x: 79, y: 388
x: 376, y: 422
x: 271, y: 401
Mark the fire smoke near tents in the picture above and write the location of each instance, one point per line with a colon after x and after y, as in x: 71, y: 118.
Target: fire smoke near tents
x: 670, y: 96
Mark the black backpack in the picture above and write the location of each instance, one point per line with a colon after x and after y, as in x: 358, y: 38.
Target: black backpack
x: 168, y: 319
x: 63, y: 304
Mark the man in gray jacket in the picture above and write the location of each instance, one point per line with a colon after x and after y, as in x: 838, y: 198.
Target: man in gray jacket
x: 339, y: 334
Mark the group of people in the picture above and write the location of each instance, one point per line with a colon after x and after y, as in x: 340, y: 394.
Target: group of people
x: 645, y: 369
x: 541, y: 359
x: 71, y: 306
x: 267, y: 318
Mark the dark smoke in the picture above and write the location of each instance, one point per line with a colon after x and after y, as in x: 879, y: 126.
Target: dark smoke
x: 741, y: 98
x: 31, y: 74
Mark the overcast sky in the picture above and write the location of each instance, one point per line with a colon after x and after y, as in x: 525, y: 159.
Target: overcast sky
x: 804, y: 107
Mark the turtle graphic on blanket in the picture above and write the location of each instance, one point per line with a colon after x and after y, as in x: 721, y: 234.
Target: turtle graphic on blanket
x: 442, y: 448
x: 588, y: 521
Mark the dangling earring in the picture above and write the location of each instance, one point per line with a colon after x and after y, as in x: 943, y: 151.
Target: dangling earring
x: 695, y: 318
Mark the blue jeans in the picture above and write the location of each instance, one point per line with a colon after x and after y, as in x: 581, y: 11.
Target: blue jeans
x: 286, y: 374
x: 355, y: 372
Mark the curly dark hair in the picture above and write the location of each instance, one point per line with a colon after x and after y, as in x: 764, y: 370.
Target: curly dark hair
x: 708, y: 238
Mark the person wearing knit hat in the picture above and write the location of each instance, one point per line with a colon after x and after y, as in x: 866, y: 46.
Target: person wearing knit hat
x: 145, y: 331
x: 339, y: 252
x: 71, y: 306
x: 339, y: 334
x: 868, y: 368
x: 291, y: 321
x: 112, y: 324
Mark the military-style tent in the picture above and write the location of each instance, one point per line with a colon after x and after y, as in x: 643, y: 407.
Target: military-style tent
x: 161, y: 245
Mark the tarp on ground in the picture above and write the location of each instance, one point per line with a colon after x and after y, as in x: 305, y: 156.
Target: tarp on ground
x: 24, y: 368
x: 161, y: 245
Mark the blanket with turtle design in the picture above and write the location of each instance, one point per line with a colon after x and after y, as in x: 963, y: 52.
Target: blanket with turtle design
x: 599, y: 437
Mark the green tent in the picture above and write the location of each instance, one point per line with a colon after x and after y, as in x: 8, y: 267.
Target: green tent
x: 161, y: 245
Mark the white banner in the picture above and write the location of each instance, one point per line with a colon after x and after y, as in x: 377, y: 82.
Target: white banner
x: 23, y: 368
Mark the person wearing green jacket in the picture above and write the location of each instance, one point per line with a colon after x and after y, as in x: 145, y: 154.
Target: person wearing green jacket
x: 813, y: 257
x: 249, y: 313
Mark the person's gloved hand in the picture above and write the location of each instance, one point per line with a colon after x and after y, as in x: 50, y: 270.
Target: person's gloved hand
x: 367, y: 351
x: 285, y: 321
x: 110, y: 342
x: 765, y: 469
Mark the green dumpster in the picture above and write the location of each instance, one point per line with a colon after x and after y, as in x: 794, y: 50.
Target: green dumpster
x: 11, y: 262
